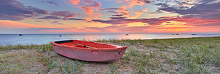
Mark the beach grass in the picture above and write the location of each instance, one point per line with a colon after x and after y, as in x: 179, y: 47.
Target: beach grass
x: 155, y: 56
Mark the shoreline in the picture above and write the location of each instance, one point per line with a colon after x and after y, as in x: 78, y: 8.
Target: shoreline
x: 113, y: 39
x: 178, y: 55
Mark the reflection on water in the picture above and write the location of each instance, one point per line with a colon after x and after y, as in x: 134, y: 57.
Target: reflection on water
x: 91, y: 37
x: 15, y: 39
x: 131, y: 36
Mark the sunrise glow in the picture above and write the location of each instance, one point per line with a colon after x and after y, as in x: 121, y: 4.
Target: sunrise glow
x: 109, y: 16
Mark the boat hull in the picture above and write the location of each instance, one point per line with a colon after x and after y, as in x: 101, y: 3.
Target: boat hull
x: 112, y: 54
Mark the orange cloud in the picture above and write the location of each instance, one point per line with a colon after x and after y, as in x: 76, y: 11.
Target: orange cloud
x: 145, y: 10
x: 90, y: 12
x: 132, y: 3
x: 196, y: 21
x: 123, y: 10
x: 137, y: 14
x: 173, y: 29
x: 13, y: 24
x: 205, y: 29
x: 75, y: 2
x: 89, y: 7
x: 93, y: 16
x: 137, y: 24
x: 174, y: 24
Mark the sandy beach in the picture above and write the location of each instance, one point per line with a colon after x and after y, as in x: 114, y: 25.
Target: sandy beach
x: 156, y: 56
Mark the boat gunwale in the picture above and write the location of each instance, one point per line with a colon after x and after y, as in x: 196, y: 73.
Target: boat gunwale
x: 116, y: 47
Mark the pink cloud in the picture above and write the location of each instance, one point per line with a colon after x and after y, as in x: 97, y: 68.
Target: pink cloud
x: 14, y: 24
x: 75, y: 2
x: 156, y: 25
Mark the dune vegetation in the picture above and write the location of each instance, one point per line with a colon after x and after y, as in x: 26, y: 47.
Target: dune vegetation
x: 181, y: 55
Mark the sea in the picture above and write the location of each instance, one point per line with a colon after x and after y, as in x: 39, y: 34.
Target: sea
x: 38, y: 39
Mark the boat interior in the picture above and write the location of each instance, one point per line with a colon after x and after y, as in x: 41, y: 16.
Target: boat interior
x: 84, y: 44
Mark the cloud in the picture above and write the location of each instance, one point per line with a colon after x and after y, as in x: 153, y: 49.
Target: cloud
x: 120, y: 29
x: 8, y: 26
x: 137, y: 24
x: 117, y: 18
x: 14, y: 24
x: 169, y: 21
x: 117, y: 15
x: 57, y: 23
x: 50, y: 2
x: 32, y: 30
x: 206, y: 9
x: 97, y: 29
x: 60, y: 15
x: 75, y: 19
x: 132, y: 3
x: 46, y: 28
x: 109, y: 8
x: 123, y: 12
x: 215, y: 24
x: 89, y: 7
x: 137, y: 14
x: 118, y: 12
x: 158, y: 25
x: 50, y: 17
x: 75, y: 2
x: 15, y: 10
x: 111, y: 21
x: 122, y: 20
x: 64, y: 14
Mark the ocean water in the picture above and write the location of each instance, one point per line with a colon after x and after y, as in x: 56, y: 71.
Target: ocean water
x: 37, y: 39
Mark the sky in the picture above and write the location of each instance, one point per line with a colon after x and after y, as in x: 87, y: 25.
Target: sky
x: 109, y: 16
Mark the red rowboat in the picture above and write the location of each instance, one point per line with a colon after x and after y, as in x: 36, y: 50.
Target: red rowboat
x: 89, y: 51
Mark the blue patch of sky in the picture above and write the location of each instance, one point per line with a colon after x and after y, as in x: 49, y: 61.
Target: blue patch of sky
x: 62, y: 5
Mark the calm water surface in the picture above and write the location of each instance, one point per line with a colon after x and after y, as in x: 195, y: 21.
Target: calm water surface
x: 15, y: 39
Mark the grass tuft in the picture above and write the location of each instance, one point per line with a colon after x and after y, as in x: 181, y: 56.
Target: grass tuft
x: 174, y: 56
x: 71, y: 67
